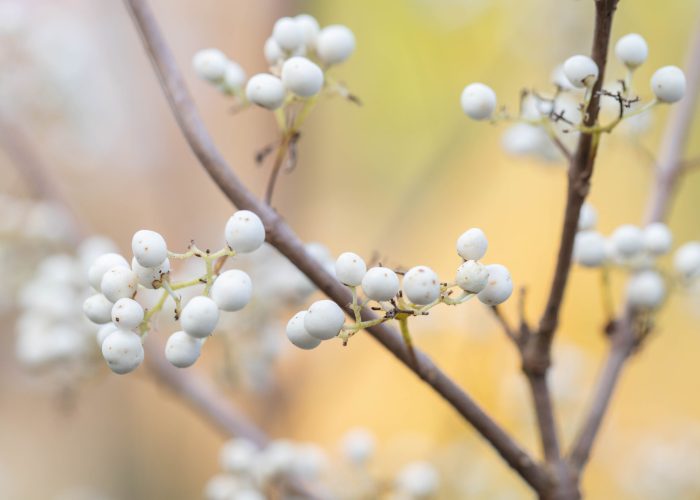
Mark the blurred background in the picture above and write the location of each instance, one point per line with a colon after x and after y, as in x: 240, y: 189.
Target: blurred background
x: 400, y: 177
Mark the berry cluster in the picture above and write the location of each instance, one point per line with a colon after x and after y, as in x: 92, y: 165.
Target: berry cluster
x: 637, y: 250
x: 125, y: 321
x: 419, y: 291
x: 548, y: 123
x: 273, y: 471
x: 300, y: 55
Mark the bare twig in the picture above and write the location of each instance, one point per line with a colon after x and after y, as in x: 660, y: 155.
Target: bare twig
x: 280, y: 235
x: 624, y: 339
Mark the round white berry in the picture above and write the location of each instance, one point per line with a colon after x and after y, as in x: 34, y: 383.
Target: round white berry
x: 472, y: 276
x: 686, y: 260
x: 210, y: 64
x: 123, y: 351
x: 273, y: 52
x: 232, y: 290
x: 103, y: 264
x: 199, y: 316
x: 350, y: 269
x: 127, y: 314
x: 632, y: 50
x: 668, y: 84
x: 499, y: 286
x: 98, y: 309
x: 265, y: 90
x: 182, y: 350
x: 324, y: 319
x: 478, y: 101
x: 627, y: 241
x: 310, y: 29
x: 302, y: 77
x: 297, y: 334
x: 334, y: 44
x: 288, y: 34
x: 150, y: 276
x: 244, y: 232
x: 581, y: 71
x: 421, y: 285
x: 646, y: 290
x: 657, y: 238
x: 380, y: 284
x: 419, y: 480
x: 472, y: 244
x: 234, y: 77
x: 588, y: 218
x: 104, y: 331
x: 358, y: 445
x: 118, y: 283
x: 238, y: 456
x: 589, y: 248
x: 149, y: 248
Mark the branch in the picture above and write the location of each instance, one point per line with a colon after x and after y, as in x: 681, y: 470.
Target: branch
x: 623, y: 339
x: 281, y: 236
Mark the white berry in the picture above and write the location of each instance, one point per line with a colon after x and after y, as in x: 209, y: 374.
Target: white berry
x: 149, y: 248
x: 588, y: 217
x: 273, y: 52
x: 589, y: 248
x: 104, y: 331
x: 119, y: 282
x: 358, y: 445
x: 297, y: 334
x: 324, y: 319
x: 646, y: 290
x: 472, y: 244
x: 103, y: 264
x: 632, y: 50
x: 234, y: 76
x: 210, y: 64
x: 310, y: 29
x: 686, y: 260
x: 288, y: 34
x: 123, y: 351
x: 478, y: 101
x: 350, y: 269
x: 581, y: 71
x: 238, y: 456
x: 98, y: 309
x: 472, y: 276
x: 657, y: 238
x: 127, y: 314
x: 150, y: 276
x: 232, y: 290
x: 199, y: 316
x: 421, y: 285
x: 380, y: 284
x: 499, y: 286
x: 302, y: 77
x: 182, y: 350
x: 244, y: 232
x: 627, y: 240
x: 419, y: 480
x: 334, y: 44
x: 265, y: 90
x: 668, y: 84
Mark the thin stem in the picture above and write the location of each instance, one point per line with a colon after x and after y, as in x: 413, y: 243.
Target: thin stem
x: 280, y: 235
x: 545, y: 417
x: 406, y: 334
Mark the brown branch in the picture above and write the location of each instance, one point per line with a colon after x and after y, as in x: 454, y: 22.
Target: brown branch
x: 623, y: 339
x: 280, y: 235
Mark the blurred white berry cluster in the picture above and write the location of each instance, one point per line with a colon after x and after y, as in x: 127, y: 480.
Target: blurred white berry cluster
x: 548, y: 123
x: 419, y: 290
x: 637, y: 250
x: 281, y: 468
x: 125, y: 321
x: 52, y: 334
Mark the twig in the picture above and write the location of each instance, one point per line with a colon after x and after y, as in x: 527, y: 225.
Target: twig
x: 280, y: 235
x: 623, y: 339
